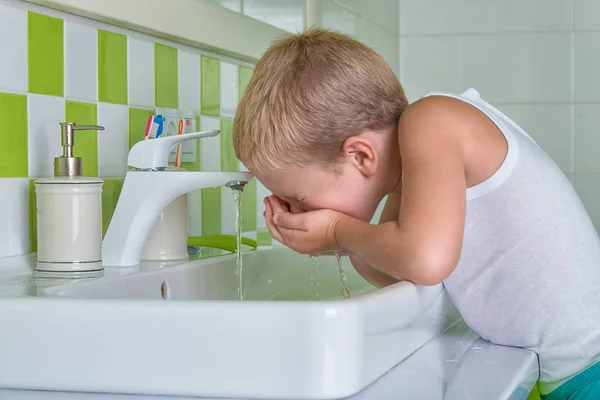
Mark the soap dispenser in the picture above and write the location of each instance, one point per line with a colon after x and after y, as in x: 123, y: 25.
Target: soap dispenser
x: 69, y: 212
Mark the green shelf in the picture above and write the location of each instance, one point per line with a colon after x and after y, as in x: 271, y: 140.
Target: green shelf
x: 223, y: 242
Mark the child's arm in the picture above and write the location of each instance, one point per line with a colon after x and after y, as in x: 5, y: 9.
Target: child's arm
x: 423, y: 245
x: 375, y: 277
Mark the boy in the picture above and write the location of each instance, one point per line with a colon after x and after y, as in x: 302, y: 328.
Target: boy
x: 473, y: 201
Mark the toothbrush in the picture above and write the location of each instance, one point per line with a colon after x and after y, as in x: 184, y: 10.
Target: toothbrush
x: 178, y: 152
x: 159, y: 120
x: 154, y: 127
x: 149, y: 126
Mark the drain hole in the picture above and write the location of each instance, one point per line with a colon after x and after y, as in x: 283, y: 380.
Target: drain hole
x: 165, y: 292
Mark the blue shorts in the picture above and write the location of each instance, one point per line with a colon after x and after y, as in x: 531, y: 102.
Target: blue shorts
x: 583, y: 386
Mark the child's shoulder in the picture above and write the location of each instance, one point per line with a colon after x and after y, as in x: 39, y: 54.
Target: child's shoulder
x: 454, y: 123
x: 437, y: 109
x: 445, y: 116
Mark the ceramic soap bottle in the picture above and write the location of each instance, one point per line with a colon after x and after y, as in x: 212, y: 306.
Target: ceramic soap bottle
x: 69, y: 212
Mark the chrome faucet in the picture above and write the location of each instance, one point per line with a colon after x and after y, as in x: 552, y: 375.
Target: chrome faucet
x: 149, y: 188
x: 236, y: 185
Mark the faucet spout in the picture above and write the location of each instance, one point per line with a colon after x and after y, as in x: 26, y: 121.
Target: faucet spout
x: 236, y: 185
x: 144, y: 195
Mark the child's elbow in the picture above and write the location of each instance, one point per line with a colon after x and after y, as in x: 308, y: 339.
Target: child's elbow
x: 431, y: 268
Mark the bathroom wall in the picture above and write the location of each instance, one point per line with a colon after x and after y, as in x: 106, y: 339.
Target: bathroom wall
x: 375, y: 23
x: 536, y: 60
x: 58, y: 67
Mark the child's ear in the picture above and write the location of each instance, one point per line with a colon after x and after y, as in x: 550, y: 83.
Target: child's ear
x: 360, y: 151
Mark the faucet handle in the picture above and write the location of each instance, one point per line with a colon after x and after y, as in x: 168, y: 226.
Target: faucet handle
x: 154, y: 153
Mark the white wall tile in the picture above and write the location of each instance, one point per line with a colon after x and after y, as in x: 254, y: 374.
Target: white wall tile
x: 43, y: 138
x: 430, y: 64
x: 113, y: 141
x: 194, y: 212
x: 339, y: 18
x: 228, y: 211
x: 81, y: 62
x: 491, y: 16
x: 229, y: 89
x: 235, y: 5
x: 381, y: 12
x: 587, y: 138
x: 140, y: 65
x: 14, y: 216
x: 587, y: 66
x: 419, y: 17
x: 550, y: 127
x: 518, y: 68
x: 210, y: 147
x: 261, y: 193
x: 284, y: 14
x: 588, y: 188
x: 13, y: 50
x: 382, y: 41
x: 430, y: 17
x: 189, y: 81
x: 587, y: 15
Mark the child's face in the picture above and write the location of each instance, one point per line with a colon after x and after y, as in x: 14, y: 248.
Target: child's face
x: 314, y: 188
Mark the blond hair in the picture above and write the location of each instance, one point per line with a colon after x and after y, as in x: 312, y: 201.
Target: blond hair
x: 310, y: 92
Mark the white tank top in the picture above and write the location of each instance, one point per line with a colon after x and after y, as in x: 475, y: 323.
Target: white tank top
x: 529, y: 272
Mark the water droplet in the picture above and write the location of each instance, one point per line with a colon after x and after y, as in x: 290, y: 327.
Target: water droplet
x: 345, y: 291
x: 314, y: 275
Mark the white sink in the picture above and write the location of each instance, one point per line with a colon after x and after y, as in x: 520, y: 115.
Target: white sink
x: 179, y: 330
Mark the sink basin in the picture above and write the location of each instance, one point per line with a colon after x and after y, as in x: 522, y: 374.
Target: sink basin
x: 273, y: 275
x: 180, y: 330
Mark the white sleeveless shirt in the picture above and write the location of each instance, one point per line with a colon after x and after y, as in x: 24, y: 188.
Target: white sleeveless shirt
x: 529, y: 272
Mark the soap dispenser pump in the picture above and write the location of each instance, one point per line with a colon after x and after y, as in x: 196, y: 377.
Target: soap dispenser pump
x: 69, y: 212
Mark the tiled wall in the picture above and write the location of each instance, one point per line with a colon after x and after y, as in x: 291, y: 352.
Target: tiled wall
x: 57, y: 67
x: 374, y: 22
x: 536, y: 60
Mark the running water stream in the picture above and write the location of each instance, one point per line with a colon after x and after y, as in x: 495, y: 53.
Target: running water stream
x: 237, y: 197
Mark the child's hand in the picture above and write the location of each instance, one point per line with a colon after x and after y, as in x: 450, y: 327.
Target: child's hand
x: 274, y: 204
x: 310, y: 232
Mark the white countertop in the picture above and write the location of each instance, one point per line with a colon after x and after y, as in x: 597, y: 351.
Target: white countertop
x: 456, y: 365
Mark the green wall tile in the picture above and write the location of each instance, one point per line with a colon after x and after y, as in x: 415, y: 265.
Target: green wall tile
x: 195, y: 166
x: 13, y: 136
x: 244, y: 74
x: 32, y: 217
x: 229, y: 162
x: 210, y: 99
x: 45, y: 54
x: 166, y: 76
x: 138, y: 119
x: 263, y: 238
x: 211, y: 211
x: 111, y: 189
x: 249, y: 207
x: 86, y: 142
x: 112, y: 67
